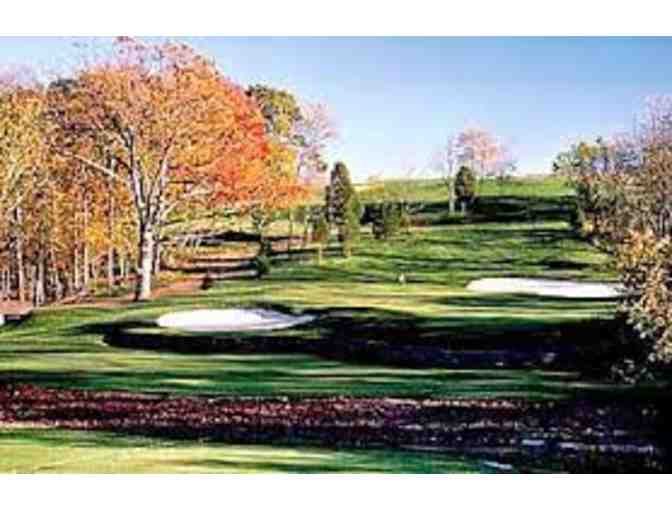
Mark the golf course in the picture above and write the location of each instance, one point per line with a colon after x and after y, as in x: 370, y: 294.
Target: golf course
x: 420, y: 375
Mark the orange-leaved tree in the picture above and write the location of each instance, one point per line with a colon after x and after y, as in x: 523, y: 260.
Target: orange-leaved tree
x: 161, y: 121
x: 22, y: 153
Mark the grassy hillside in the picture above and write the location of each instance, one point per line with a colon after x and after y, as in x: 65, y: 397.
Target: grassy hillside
x: 358, y: 300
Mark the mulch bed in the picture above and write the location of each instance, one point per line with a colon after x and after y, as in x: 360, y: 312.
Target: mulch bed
x: 569, y: 435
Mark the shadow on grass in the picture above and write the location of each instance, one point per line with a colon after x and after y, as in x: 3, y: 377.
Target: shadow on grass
x: 607, y: 434
x: 499, y: 209
x: 375, y: 337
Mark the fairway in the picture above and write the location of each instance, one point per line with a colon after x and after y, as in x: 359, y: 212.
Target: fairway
x: 359, y: 301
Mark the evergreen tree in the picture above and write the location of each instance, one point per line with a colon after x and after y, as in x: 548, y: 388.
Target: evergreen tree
x: 344, y: 209
x: 465, y: 186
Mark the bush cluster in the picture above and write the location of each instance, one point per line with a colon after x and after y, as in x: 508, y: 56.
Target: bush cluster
x: 465, y: 186
x: 262, y: 264
x: 387, y: 221
x: 320, y: 229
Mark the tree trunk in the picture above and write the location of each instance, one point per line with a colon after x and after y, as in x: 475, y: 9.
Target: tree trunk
x: 110, y: 233
x: 143, y: 286
x: 110, y: 267
x: 20, y: 269
x: 290, y: 216
x: 450, y: 186
x: 33, y: 284
x: 40, y: 283
x: 86, y: 262
x: 122, y: 267
x: 156, y: 255
x: 76, y: 280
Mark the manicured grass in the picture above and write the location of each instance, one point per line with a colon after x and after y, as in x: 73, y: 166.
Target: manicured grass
x: 66, y: 348
x: 54, y: 451
x: 432, y: 190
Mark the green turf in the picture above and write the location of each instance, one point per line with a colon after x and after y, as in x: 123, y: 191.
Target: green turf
x: 53, y: 451
x: 66, y: 348
x: 432, y: 190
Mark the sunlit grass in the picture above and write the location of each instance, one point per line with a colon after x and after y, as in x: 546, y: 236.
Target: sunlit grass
x: 66, y: 348
x: 51, y: 451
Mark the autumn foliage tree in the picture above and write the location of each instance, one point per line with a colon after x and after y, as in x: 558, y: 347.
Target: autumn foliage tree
x: 162, y: 122
x: 283, y: 116
x: 49, y: 233
x: 22, y: 176
x: 102, y: 168
x: 624, y: 188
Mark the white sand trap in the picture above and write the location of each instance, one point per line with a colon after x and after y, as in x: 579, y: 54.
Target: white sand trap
x: 544, y: 287
x: 231, y: 319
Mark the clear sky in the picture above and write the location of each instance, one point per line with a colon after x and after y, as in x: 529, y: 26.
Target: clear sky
x: 396, y: 99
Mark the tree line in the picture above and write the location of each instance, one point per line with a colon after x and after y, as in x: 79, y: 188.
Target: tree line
x: 98, y: 167
x: 623, y: 189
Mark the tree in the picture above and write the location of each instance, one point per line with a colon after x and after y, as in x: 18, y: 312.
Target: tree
x: 281, y: 112
x: 446, y: 160
x: 465, y: 186
x: 479, y: 150
x: 175, y: 133
x: 22, y: 152
x: 624, y: 185
x: 387, y: 220
x: 283, y: 120
x: 343, y: 207
x: 505, y: 166
x: 596, y: 171
x: 315, y: 130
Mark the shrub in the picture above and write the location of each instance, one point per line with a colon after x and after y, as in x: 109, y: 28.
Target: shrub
x: 405, y: 222
x: 349, y: 232
x: 320, y: 229
x: 576, y: 218
x: 262, y: 264
x: 465, y: 185
x: 645, y: 265
x: 387, y: 221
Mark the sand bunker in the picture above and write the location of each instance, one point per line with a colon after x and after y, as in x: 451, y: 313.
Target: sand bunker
x: 231, y: 319
x: 544, y: 287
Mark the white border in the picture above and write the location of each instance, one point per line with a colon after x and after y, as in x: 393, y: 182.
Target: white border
x: 343, y: 17
x: 338, y: 492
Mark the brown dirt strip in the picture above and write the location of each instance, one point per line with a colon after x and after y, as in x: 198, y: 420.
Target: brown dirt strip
x: 182, y: 287
x: 572, y: 435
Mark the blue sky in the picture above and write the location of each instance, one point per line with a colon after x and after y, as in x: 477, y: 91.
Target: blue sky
x: 396, y: 99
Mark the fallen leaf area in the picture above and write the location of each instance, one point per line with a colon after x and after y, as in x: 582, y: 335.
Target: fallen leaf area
x: 569, y: 435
